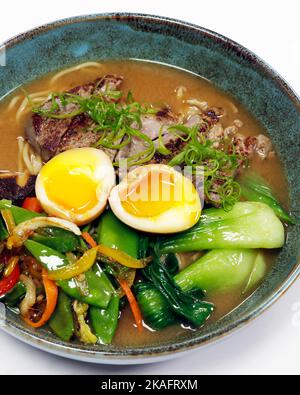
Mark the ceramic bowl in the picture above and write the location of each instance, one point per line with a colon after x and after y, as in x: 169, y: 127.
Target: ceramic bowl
x: 230, y: 67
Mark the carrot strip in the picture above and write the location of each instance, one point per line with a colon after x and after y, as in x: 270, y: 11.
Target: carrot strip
x: 88, y: 238
x: 133, y: 305
x: 51, y: 297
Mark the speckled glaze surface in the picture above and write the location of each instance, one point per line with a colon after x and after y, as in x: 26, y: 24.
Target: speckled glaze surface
x: 230, y: 67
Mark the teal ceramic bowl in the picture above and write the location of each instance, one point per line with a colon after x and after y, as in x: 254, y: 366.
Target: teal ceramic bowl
x: 230, y: 67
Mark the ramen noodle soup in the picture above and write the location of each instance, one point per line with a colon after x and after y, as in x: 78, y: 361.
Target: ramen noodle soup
x: 138, y: 202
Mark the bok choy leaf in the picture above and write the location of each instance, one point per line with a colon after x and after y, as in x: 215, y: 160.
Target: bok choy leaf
x: 255, y: 189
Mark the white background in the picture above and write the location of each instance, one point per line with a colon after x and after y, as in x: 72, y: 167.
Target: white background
x: 271, y: 344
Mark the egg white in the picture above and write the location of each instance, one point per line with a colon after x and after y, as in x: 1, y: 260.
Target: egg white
x: 175, y: 219
x: 103, y: 176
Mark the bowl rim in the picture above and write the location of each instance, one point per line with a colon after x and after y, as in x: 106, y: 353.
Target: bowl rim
x: 153, y: 353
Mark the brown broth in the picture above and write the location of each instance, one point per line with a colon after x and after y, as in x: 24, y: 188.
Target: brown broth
x: 155, y: 84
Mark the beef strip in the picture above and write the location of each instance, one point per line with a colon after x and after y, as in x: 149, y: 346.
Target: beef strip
x: 152, y: 125
x: 9, y: 189
x: 51, y: 136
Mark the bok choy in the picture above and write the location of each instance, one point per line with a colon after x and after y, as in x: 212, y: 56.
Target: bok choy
x: 188, y: 307
x: 255, y: 189
x: 218, y: 271
x: 224, y: 271
x: 247, y: 225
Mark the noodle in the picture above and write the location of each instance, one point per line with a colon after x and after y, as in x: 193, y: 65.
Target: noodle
x: 180, y: 91
x: 13, y: 102
x: 197, y: 103
x: 75, y: 68
x: 29, y: 163
x: 23, y: 175
x: 32, y: 161
x: 25, y: 107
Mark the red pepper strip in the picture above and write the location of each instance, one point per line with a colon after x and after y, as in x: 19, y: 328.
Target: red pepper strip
x: 7, y: 283
x: 51, y: 297
x: 32, y: 204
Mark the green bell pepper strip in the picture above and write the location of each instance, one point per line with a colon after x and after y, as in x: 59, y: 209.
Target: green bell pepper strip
x: 20, y: 214
x: 115, y: 234
x: 62, y: 322
x: 59, y: 239
x: 49, y: 258
x: 105, y: 321
x: 13, y: 297
x: 99, y: 289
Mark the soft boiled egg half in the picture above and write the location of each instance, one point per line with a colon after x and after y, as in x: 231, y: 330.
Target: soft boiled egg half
x: 156, y: 199
x: 75, y: 184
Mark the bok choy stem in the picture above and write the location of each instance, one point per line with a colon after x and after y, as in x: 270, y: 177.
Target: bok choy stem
x: 247, y: 225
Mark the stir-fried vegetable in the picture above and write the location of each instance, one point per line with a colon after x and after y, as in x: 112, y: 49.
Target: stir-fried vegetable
x: 105, y: 321
x: 3, y: 231
x: 255, y: 189
x: 92, y: 287
x: 59, y: 239
x: 247, y: 225
x: 61, y: 322
x: 8, y: 283
x: 115, y: 234
x: 80, y: 266
x: 49, y: 258
x: 20, y: 214
x: 51, y: 291
x: 30, y: 296
x: 82, y: 330
x: 88, y: 238
x: 122, y: 258
x: 133, y: 305
x: 32, y: 204
x: 25, y: 229
x: 13, y: 297
x: 9, y: 220
x: 124, y: 243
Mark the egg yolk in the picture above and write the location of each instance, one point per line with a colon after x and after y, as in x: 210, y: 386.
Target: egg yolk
x: 153, y: 195
x: 72, y: 188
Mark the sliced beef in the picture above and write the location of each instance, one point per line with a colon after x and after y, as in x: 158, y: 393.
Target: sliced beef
x: 9, y: 189
x: 51, y: 136
x: 259, y: 145
x: 152, y: 126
